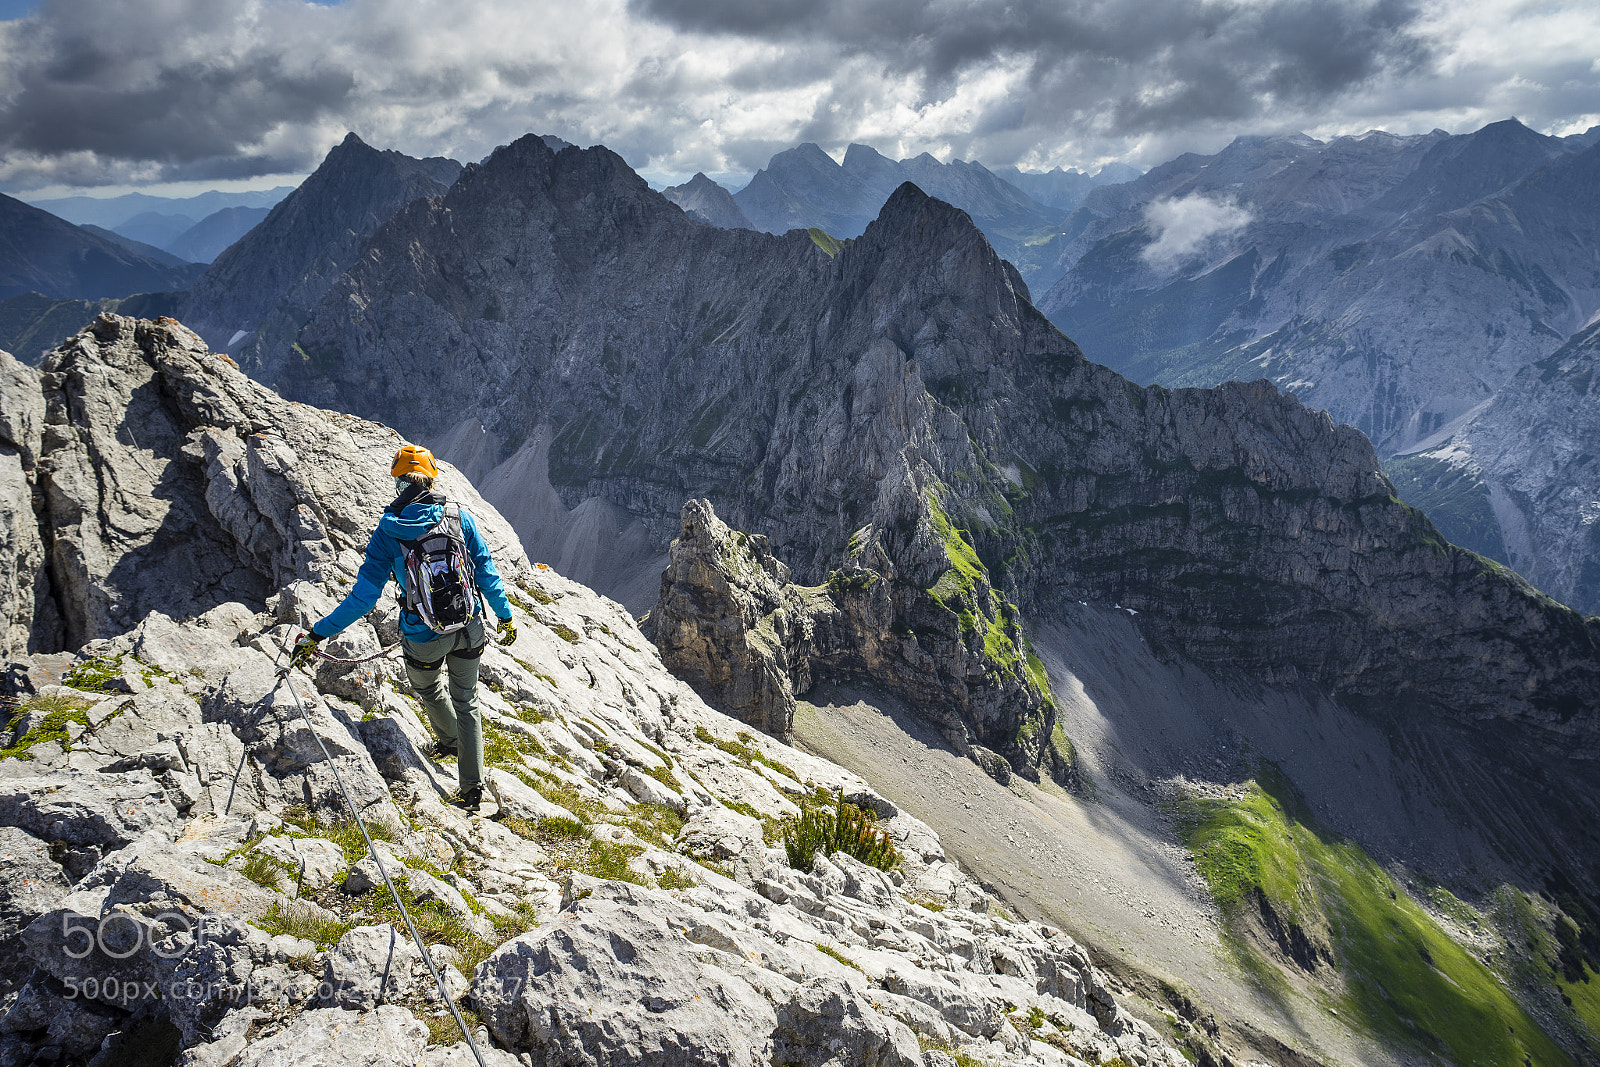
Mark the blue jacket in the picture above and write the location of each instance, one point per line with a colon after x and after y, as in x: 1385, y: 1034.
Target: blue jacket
x: 384, y: 558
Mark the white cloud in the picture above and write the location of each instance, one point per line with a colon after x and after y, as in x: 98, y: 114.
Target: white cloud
x: 1184, y: 225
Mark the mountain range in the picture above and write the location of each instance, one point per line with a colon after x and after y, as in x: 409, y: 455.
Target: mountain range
x: 804, y: 188
x: 1175, y: 626
x: 959, y: 494
x: 41, y: 253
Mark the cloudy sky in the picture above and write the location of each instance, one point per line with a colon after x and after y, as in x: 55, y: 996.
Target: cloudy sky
x: 120, y: 93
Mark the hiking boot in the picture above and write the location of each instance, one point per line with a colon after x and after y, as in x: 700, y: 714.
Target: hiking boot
x: 440, y: 750
x: 470, y: 799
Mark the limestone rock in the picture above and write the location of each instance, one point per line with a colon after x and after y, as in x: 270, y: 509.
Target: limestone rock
x: 827, y: 1022
x: 615, y: 958
x: 371, y: 964
x: 334, y: 1037
x: 31, y: 883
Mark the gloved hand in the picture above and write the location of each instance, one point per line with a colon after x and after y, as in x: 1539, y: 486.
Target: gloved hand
x: 304, y: 649
x: 507, y: 631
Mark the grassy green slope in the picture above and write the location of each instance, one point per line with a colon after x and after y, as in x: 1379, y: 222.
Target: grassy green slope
x: 1405, y: 980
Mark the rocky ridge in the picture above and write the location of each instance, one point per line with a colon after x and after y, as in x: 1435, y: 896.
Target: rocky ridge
x: 803, y: 187
x: 176, y: 803
x: 899, y: 396
x: 258, y: 291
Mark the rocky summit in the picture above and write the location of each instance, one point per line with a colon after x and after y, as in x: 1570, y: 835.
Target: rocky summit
x: 183, y: 884
x: 256, y: 293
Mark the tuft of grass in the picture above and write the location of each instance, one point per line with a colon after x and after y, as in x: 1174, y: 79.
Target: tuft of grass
x: 931, y: 905
x: 672, y: 879
x: 565, y: 632
x: 58, y: 711
x: 665, y: 777
x: 303, y: 922
x: 94, y: 675
x: 345, y: 834
x: 265, y: 871
x: 655, y: 823
x: 846, y: 829
x: 743, y: 752
x: 536, y: 593
x: 609, y: 860
x: 829, y: 950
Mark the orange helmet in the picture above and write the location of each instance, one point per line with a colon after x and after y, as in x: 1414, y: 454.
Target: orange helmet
x: 413, y: 459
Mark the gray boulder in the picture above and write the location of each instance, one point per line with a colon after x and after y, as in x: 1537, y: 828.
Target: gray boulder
x: 650, y: 999
x: 335, y: 1037
x: 827, y: 1023
x: 31, y: 883
x: 370, y: 965
x: 90, y: 813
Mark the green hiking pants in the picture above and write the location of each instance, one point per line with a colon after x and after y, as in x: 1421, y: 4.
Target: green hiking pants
x: 453, y: 710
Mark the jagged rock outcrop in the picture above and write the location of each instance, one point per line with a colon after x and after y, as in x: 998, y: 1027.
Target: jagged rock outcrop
x: 177, y: 774
x: 258, y: 291
x: 155, y: 455
x: 731, y: 624
x: 703, y: 199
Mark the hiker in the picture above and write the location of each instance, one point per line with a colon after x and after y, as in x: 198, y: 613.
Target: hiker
x: 445, y: 572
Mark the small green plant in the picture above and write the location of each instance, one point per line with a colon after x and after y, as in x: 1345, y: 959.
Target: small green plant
x: 655, y: 823
x: 264, y: 870
x: 538, y: 594
x: 300, y: 921
x: 846, y: 829
x: 565, y: 632
x: 609, y: 860
x: 671, y: 878
x: 743, y: 752
x: 829, y: 950
x: 931, y: 905
x: 345, y: 834
x: 665, y: 777
x: 95, y: 675
x: 57, y: 711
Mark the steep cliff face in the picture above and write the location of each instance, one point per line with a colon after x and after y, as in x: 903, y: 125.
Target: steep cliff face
x: 900, y: 392
x: 264, y: 285
x: 729, y: 622
x: 1522, y: 474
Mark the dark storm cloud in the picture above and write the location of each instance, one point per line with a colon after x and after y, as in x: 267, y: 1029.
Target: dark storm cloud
x: 1218, y: 60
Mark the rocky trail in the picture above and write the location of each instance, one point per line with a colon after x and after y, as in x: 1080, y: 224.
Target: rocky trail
x: 180, y: 883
